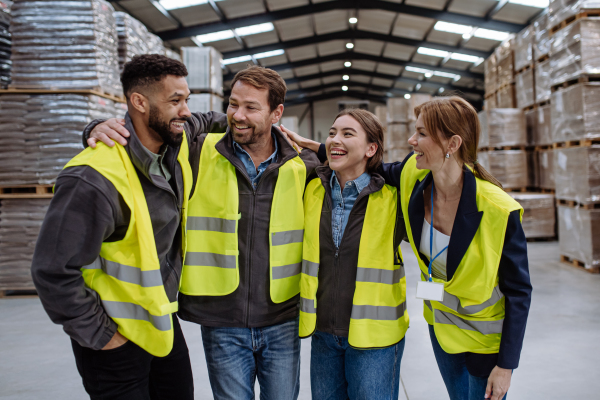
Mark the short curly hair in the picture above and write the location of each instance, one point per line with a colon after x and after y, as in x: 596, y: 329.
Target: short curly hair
x: 146, y: 70
x: 264, y: 78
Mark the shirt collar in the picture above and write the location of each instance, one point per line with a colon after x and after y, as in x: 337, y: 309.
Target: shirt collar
x: 238, y: 148
x: 360, y: 183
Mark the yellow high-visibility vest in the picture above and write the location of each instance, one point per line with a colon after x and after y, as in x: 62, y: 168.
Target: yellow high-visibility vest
x: 127, y: 275
x: 211, y: 264
x: 379, y: 317
x: 471, y: 316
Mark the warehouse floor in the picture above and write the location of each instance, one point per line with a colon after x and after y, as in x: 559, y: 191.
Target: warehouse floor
x: 559, y: 359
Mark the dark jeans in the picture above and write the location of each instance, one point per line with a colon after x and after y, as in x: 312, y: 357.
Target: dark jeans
x: 130, y: 373
x: 237, y: 356
x: 340, y: 372
x: 461, y: 385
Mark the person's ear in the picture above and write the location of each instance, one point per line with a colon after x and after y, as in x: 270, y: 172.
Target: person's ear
x: 276, y: 114
x: 139, y: 102
x: 454, y: 144
x: 372, y: 150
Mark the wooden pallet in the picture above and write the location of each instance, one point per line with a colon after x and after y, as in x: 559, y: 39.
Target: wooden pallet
x: 542, y: 147
x: 18, y: 293
x: 525, y: 68
x: 541, y: 190
x: 543, y: 58
x: 498, y: 148
x: 26, y: 192
x: 531, y: 107
x: 579, y: 265
x: 576, y: 143
x: 574, y: 81
x: 542, y: 239
x: 489, y: 95
x: 97, y: 92
x: 575, y: 204
x: 573, y: 18
x: 518, y: 190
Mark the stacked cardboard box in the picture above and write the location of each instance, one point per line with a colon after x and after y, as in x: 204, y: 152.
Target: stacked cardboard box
x: 504, y: 127
x: 578, y: 232
x: 575, y: 112
x: 132, y: 37
x: 205, y: 102
x: 561, y: 10
x: 5, y: 44
x: 577, y: 173
x: 204, y: 68
x: 539, y: 214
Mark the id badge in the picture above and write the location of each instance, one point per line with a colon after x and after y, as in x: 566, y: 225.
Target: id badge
x: 430, y: 291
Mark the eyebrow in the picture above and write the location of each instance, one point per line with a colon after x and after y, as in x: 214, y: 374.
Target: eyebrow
x: 345, y: 129
x: 176, y: 94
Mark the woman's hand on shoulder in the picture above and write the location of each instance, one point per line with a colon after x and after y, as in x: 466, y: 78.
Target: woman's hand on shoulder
x: 498, y: 383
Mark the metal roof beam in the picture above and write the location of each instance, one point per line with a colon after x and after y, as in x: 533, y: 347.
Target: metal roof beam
x: 496, y: 9
x: 333, y: 95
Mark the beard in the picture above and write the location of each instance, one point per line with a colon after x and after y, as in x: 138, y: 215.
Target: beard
x: 249, y: 138
x: 163, y: 128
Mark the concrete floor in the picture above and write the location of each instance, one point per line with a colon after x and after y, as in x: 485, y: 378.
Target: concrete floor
x: 560, y: 357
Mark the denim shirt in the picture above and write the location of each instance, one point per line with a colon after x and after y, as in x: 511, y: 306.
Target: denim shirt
x: 343, y: 201
x: 253, y: 172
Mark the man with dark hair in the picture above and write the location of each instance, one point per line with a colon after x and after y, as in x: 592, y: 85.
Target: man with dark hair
x: 108, y: 260
x: 245, y: 227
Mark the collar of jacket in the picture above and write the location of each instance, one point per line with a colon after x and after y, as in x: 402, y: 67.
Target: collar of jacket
x: 466, y: 222
x: 325, y: 173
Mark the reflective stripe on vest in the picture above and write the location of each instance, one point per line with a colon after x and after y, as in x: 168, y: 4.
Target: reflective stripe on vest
x: 378, y: 317
x: 126, y: 275
x: 471, y: 316
x: 211, y: 265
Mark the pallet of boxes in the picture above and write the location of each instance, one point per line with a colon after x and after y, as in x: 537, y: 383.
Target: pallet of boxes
x: 400, y: 125
x: 205, y: 78
x: 575, y: 101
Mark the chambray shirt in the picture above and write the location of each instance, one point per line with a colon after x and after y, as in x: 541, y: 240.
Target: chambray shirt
x: 253, y: 172
x: 343, y: 201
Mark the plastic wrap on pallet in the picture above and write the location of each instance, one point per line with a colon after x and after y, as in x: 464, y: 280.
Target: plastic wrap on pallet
x: 533, y: 169
x: 19, y: 229
x: 542, y: 40
x: 510, y: 167
x: 399, y: 154
x: 576, y: 112
x: 506, y: 71
x: 532, y: 123
x: 525, y: 92
x: 539, y: 216
x: 505, y: 97
x: 65, y: 45
x: 490, y: 74
x: 542, y: 81
x: 132, y: 35
x: 560, y: 10
x: 575, y: 51
x: 5, y: 44
x: 523, y: 48
x: 204, y: 67
x: 381, y: 114
x: 290, y: 123
x: 397, y: 109
x: 206, y: 102
x: 539, y: 127
x: 483, y: 158
x: 41, y: 133
x: 415, y: 100
x: 484, y: 136
x: 505, y: 127
x: 577, y: 173
x: 175, y: 55
x: 155, y: 44
x: 579, y: 234
x: 545, y: 164
x: 397, y: 136
x: 490, y: 102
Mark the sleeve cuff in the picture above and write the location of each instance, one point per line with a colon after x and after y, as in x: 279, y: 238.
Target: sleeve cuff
x: 106, y: 336
x: 507, y: 362
x: 87, y: 130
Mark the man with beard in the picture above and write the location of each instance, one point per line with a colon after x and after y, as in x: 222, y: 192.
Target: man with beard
x: 108, y: 260
x: 245, y: 227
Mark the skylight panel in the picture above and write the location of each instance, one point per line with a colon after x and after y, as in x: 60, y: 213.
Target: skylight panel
x: 214, y: 36
x: 254, y: 29
x: 175, y: 4
x: 490, y: 34
x: 432, y: 52
x: 452, y: 28
x: 236, y: 60
x: 266, y: 54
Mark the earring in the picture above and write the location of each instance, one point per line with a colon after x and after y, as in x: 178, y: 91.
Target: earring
x: 447, y: 155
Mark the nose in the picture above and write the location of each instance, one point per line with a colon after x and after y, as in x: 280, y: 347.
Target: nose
x: 413, y: 139
x: 239, y: 115
x: 185, y: 111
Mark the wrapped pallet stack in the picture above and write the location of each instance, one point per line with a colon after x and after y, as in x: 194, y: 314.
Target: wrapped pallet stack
x: 132, y: 37
x: 401, y: 124
x: 5, y: 43
x: 539, y: 214
x: 205, y: 78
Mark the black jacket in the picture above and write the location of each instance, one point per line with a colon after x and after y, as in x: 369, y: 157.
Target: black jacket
x: 513, y: 270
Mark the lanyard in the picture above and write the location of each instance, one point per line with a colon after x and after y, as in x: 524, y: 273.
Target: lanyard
x: 431, y: 260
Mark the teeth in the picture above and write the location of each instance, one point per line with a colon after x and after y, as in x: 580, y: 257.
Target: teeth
x: 241, y: 126
x: 419, y: 153
x: 337, y: 153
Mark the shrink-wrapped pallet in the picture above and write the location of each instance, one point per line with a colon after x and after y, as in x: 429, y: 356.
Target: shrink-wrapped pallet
x: 560, y: 10
x: 545, y: 164
x: 397, y: 109
x: 525, y: 86
x: 579, y: 234
x: 484, y: 136
x: 542, y: 39
x: 505, y: 127
x: 20, y: 223
x: 416, y: 100
x: 539, y: 127
x: 393, y: 155
x: 483, y: 158
x: 490, y: 102
x: 5, y: 44
x: 397, y: 136
x: 523, y: 48
x: 575, y: 51
x: 65, y: 45
x: 539, y: 216
x: 533, y: 169
x: 41, y: 133
x: 510, y: 167
x: 542, y: 81
x: 505, y: 97
x: 206, y: 102
x: 155, y: 44
x: 204, y: 68
x: 576, y: 112
x: 577, y: 174
x: 133, y: 37
x: 506, y: 63
x: 490, y: 74
x: 381, y: 114
x: 172, y: 54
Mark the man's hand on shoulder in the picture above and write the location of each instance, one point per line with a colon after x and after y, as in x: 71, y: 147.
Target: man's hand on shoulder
x: 109, y: 132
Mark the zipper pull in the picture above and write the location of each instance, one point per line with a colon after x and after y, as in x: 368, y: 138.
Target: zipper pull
x: 337, y: 252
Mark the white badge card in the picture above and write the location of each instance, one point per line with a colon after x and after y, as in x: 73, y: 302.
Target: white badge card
x: 430, y: 291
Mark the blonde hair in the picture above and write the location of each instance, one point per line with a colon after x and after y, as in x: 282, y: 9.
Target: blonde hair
x: 374, y: 130
x: 455, y: 116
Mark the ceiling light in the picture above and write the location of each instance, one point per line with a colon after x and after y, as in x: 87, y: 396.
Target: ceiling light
x: 441, y: 90
x: 237, y: 60
x: 346, y: 77
x: 437, y: 73
x: 418, y: 86
x: 347, y: 64
x: 349, y: 45
x: 345, y: 88
x: 214, y: 36
x: 464, y: 57
x: 531, y: 3
x: 432, y: 52
x: 490, y: 34
x: 266, y: 54
x: 407, y: 96
x: 452, y: 28
x: 175, y: 4
x: 428, y: 75
x: 254, y: 29
x: 353, y: 20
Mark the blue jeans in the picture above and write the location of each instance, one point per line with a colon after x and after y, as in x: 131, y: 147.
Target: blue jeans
x: 461, y: 385
x: 340, y: 372
x: 237, y: 356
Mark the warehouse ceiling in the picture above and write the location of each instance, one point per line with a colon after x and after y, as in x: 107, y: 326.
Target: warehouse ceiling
x: 368, y: 49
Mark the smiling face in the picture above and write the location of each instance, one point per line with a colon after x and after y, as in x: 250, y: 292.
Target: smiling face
x: 429, y: 154
x: 249, y: 115
x: 168, y: 109
x: 348, y: 150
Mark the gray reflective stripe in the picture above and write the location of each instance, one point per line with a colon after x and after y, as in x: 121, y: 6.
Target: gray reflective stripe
x: 286, y: 271
x: 383, y: 313
x: 287, y: 237
x: 128, y: 274
x: 117, y: 309
x: 379, y: 275
x: 428, y: 304
x: 211, y: 224
x: 209, y: 260
x: 310, y: 268
x: 307, y: 305
x: 483, y: 327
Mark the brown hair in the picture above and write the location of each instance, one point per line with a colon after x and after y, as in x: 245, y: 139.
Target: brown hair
x: 455, y: 116
x: 264, y: 78
x: 374, y: 129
